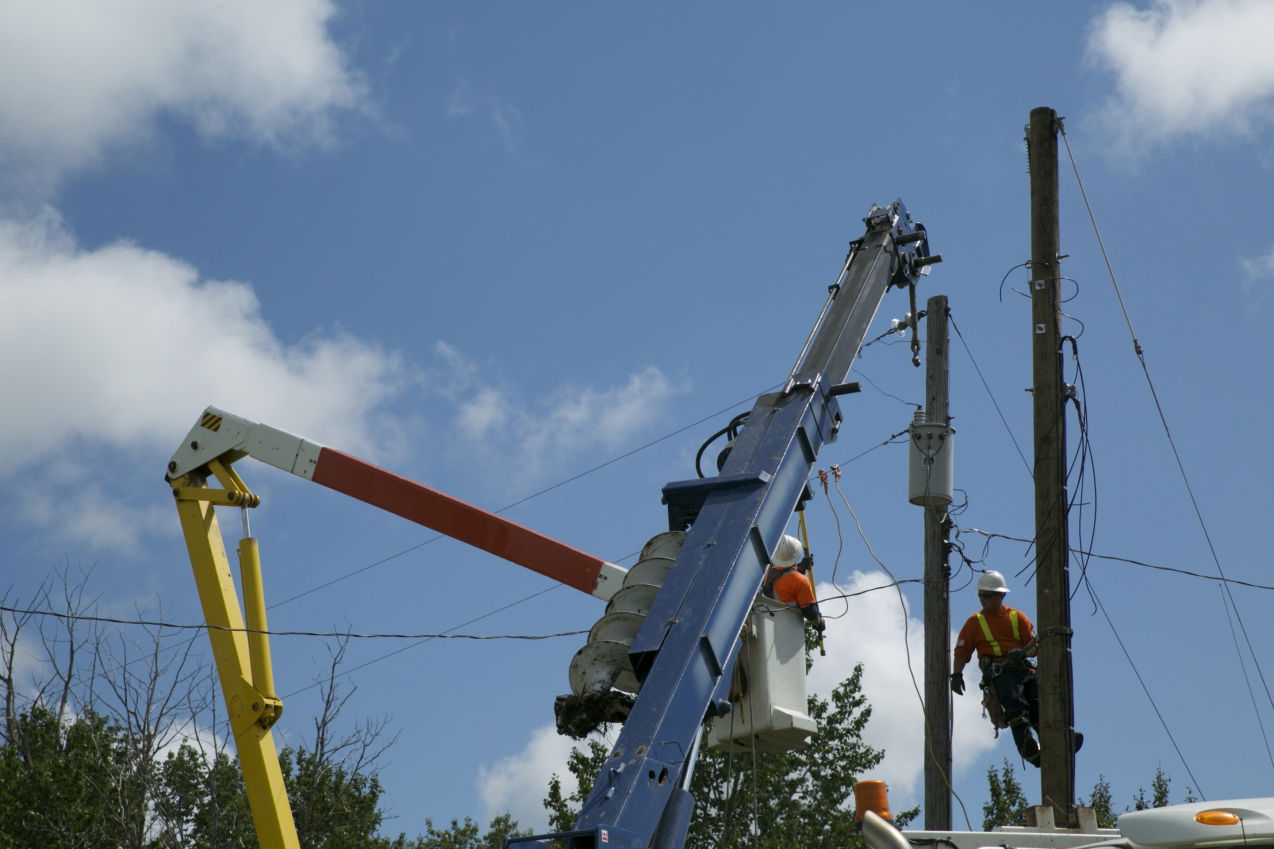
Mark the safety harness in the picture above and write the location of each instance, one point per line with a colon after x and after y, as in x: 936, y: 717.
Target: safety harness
x: 991, y: 707
x: 771, y: 578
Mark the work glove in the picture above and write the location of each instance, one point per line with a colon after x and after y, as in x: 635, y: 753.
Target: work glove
x: 806, y: 564
x: 1016, y: 655
x: 820, y: 625
x: 957, y: 683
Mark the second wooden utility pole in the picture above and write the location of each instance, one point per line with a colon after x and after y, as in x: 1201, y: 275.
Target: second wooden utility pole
x: 1052, y: 577
x: 937, y: 586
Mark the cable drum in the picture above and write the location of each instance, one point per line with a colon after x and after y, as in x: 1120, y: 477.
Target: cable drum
x: 931, y: 463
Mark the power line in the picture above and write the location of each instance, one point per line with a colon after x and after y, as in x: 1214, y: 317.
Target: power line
x: 1101, y: 244
x: 178, y: 626
x: 1247, y: 679
x: 875, y: 386
x: 1087, y: 466
x: 1217, y: 578
x: 856, y: 593
x: 1146, y: 690
x: 347, y: 672
x: 892, y: 440
x: 991, y: 395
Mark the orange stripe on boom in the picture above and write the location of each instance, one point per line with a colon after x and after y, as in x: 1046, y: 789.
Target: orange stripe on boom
x: 457, y: 519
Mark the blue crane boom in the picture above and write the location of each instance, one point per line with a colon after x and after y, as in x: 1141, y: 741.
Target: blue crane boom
x: 684, y: 652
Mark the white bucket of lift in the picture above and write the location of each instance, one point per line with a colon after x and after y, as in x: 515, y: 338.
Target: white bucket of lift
x: 770, y: 709
x: 931, y: 463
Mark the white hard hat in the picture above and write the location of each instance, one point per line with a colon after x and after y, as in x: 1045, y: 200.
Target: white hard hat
x: 992, y: 582
x: 788, y: 553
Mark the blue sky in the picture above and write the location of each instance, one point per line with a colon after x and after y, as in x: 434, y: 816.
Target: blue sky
x: 492, y: 246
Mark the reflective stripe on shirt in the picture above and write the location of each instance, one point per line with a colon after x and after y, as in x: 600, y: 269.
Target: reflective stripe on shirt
x: 986, y: 632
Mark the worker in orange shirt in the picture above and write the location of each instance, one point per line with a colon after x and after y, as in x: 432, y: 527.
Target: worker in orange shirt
x: 1004, y: 639
x: 788, y: 583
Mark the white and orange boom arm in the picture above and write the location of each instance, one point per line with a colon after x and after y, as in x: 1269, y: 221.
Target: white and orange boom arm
x: 227, y: 437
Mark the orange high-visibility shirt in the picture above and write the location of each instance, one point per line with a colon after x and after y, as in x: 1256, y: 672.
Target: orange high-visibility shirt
x: 794, y: 588
x: 1002, y: 636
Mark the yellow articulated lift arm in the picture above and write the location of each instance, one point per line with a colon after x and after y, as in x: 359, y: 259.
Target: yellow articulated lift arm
x: 202, y: 478
x: 242, y: 654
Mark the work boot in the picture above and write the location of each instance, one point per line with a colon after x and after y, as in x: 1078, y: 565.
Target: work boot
x: 1079, y: 740
x: 1030, y: 751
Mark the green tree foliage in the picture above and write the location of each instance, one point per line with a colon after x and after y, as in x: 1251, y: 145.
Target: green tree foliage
x: 745, y: 799
x: 77, y: 785
x: 1158, y: 792
x: 1005, y: 793
x: 1007, y: 805
x: 1101, y: 803
x: 1159, y: 789
x: 92, y: 754
x: 67, y: 784
x: 333, y: 806
x: 585, y: 766
x: 465, y: 835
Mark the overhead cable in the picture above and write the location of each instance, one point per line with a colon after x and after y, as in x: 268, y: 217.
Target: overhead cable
x: 1150, y: 698
x: 1217, y: 578
x: 179, y: 626
x: 347, y: 672
x: 1247, y: 679
x: 991, y: 395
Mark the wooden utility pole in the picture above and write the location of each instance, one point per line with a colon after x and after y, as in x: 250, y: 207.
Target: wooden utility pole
x: 1052, y: 579
x: 937, y: 586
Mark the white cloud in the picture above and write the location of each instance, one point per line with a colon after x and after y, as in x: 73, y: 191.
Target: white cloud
x: 86, y: 512
x: 468, y: 100
x: 517, y: 783
x: 871, y: 633
x: 206, y: 741
x: 78, y: 76
x: 1186, y: 68
x: 529, y: 439
x: 121, y: 348
x: 1258, y: 272
x: 1262, y: 267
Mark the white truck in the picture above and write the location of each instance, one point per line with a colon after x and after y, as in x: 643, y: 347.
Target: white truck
x: 1195, y: 825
